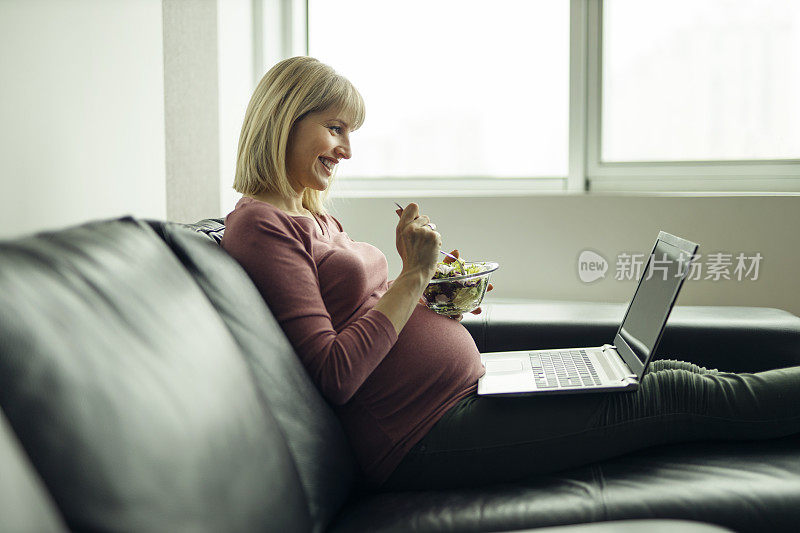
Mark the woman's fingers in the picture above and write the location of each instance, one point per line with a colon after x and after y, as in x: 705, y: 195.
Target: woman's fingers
x: 421, y: 220
x: 409, y: 213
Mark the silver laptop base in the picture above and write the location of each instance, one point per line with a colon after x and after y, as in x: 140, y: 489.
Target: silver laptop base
x: 570, y: 371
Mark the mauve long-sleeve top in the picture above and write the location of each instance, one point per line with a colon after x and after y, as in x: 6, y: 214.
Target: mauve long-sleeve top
x: 388, y: 390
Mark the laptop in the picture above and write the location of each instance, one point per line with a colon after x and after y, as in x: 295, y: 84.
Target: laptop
x: 618, y: 366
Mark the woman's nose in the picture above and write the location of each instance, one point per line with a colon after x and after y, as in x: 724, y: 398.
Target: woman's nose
x: 343, y: 150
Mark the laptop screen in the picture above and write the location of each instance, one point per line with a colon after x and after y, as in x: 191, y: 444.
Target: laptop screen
x: 662, y: 277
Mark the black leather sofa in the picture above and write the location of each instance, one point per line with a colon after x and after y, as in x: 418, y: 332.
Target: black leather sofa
x: 145, y: 386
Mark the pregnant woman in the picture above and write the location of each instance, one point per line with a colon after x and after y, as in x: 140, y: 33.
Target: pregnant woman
x: 401, y: 378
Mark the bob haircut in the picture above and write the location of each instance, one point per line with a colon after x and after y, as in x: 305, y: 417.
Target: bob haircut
x: 288, y: 92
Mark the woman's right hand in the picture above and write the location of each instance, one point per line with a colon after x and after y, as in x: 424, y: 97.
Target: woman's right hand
x: 417, y: 244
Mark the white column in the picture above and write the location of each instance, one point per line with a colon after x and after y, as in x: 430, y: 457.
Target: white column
x: 191, y: 108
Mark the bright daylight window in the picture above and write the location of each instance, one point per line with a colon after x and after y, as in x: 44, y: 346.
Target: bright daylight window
x: 689, y: 80
x: 453, y: 88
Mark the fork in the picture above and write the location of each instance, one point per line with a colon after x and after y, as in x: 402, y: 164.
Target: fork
x: 456, y: 259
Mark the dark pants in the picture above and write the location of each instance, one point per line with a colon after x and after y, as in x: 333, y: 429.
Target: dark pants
x: 487, y: 439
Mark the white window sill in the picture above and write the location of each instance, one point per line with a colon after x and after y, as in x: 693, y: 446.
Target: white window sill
x: 433, y: 187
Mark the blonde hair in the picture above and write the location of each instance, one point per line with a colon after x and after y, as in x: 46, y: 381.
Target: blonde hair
x: 290, y: 90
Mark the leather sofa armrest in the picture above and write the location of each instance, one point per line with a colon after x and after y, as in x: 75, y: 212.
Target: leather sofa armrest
x: 736, y: 339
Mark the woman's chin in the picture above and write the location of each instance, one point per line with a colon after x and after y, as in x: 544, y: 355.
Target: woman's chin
x: 325, y: 181
x: 320, y: 185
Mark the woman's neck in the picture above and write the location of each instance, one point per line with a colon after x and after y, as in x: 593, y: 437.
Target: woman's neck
x: 291, y: 206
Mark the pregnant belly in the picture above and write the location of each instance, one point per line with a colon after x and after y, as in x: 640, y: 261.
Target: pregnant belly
x: 433, y: 359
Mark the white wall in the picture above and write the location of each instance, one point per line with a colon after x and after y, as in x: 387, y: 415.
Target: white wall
x: 537, y: 240
x: 81, y: 112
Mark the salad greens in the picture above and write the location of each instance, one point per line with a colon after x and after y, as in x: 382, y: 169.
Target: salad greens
x: 444, y: 270
x: 460, y: 295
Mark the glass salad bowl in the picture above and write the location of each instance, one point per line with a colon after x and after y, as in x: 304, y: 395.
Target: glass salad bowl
x: 458, y: 288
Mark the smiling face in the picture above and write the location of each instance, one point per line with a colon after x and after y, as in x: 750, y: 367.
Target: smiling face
x: 316, y: 144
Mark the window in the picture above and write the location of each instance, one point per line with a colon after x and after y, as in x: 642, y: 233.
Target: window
x: 691, y: 81
x: 453, y: 88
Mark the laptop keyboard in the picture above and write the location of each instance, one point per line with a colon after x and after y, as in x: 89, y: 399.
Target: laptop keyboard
x: 568, y: 368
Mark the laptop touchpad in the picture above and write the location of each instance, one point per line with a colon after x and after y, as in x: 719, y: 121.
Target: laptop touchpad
x: 503, y: 366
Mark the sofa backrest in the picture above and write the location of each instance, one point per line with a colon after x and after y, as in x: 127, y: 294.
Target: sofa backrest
x: 129, y: 394
x: 314, y: 435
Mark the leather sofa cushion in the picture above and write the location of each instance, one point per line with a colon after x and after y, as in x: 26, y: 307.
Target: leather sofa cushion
x: 744, y: 486
x: 24, y: 503
x: 315, y: 437
x: 129, y: 394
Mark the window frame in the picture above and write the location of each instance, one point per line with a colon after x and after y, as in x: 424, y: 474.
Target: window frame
x: 281, y: 30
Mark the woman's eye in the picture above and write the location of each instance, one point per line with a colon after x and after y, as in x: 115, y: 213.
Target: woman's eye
x: 335, y: 129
